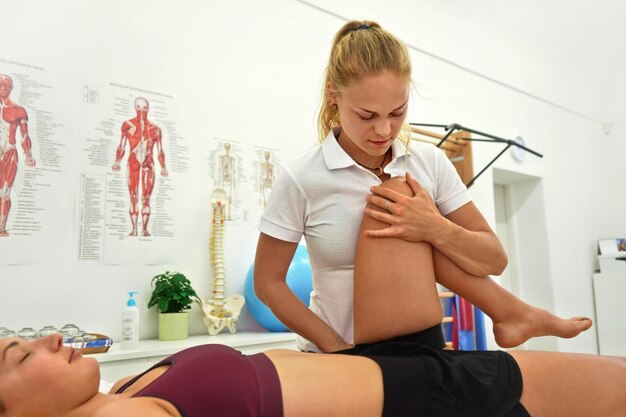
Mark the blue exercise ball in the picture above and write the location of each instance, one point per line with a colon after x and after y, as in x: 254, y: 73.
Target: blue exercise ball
x: 299, y: 280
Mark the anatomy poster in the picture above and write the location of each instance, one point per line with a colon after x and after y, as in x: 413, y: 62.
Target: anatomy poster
x: 263, y: 170
x: 131, y: 164
x: 225, y: 167
x: 246, y: 175
x: 33, y: 165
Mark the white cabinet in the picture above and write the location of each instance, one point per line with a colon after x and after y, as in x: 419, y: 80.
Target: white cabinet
x: 118, y: 363
x: 610, y: 299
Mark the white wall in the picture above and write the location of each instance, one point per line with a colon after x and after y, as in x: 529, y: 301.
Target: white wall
x: 251, y: 72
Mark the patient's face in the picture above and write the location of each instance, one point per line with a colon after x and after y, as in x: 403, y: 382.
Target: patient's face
x: 44, y: 375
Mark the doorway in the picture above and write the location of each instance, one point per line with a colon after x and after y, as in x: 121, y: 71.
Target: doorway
x: 521, y: 226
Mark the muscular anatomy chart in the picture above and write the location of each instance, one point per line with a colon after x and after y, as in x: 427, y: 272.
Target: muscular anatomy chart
x: 133, y: 171
x: 13, y: 122
x: 35, y: 207
x: 142, y: 137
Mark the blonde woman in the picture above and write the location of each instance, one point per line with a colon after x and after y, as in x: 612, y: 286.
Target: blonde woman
x: 322, y: 196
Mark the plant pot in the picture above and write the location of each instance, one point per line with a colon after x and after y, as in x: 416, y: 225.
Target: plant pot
x: 173, y: 326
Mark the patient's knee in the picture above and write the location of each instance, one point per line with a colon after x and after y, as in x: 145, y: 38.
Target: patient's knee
x: 399, y: 185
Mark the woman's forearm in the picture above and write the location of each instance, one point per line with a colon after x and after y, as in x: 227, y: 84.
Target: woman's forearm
x: 294, y: 314
x: 463, y: 234
x: 477, y: 252
x: 271, y: 264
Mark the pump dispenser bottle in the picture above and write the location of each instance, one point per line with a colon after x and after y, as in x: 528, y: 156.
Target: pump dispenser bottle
x: 130, y: 323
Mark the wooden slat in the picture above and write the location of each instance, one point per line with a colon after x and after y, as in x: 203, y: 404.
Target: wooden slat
x: 455, y: 147
x: 427, y: 133
x: 455, y: 138
x: 465, y: 168
x: 446, y: 146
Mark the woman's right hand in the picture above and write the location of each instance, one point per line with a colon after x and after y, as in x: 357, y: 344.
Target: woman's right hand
x: 271, y: 264
x: 413, y: 218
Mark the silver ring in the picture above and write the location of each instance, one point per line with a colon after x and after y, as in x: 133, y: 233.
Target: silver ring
x: 388, y: 204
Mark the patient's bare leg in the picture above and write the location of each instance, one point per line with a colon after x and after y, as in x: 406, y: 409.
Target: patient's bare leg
x: 394, y: 284
x: 407, y: 292
x: 569, y: 384
x: 514, y: 321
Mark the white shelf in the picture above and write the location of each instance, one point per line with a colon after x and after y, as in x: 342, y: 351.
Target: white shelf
x: 610, y: 299
x: 118, y: 363
x: 239, y: 341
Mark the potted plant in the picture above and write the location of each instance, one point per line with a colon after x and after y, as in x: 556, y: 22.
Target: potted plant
x: 172, y: 295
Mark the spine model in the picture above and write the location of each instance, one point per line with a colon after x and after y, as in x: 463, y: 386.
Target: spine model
x: 217, y: 259
x: 220, y: 311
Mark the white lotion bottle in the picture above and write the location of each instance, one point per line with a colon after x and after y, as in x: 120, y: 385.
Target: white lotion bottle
x: 130, y: 324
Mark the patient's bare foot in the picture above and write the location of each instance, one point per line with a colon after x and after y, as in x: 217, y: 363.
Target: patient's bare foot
x: 536, y: 322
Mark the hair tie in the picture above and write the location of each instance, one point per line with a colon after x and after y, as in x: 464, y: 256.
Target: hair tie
x: 363, y: 27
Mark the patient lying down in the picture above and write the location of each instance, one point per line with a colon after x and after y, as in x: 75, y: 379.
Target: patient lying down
x: 45, y: 378
x: 392, y: 378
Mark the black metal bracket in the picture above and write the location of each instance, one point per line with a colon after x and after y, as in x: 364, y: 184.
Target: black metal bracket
x: 486, y: 138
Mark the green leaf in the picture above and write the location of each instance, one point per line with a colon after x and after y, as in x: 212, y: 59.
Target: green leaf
x: 172, y: 293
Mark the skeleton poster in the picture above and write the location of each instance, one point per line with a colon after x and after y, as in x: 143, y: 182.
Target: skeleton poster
x: 246, y: 175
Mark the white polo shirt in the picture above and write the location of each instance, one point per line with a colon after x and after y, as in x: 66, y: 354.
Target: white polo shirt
x: 321, y: 196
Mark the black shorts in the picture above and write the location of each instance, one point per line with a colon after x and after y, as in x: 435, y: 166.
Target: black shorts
x: 422, y: 381
x: 432, y: 337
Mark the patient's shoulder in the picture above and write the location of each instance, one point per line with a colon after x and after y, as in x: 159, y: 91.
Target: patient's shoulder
x: 141, y: 406
x: 119, y: 384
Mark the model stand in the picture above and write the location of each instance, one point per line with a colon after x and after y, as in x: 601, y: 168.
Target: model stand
x: 220, y: 311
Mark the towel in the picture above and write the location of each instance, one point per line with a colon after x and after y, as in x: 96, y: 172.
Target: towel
x: 105, y: 386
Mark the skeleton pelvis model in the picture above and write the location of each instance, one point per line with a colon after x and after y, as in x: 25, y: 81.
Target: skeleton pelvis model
x: 220, y: 311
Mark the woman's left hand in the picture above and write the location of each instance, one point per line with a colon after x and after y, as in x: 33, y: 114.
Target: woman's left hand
x: 409, y: 218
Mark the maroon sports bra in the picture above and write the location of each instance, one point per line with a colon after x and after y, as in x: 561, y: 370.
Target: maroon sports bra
x: 216, y: 381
